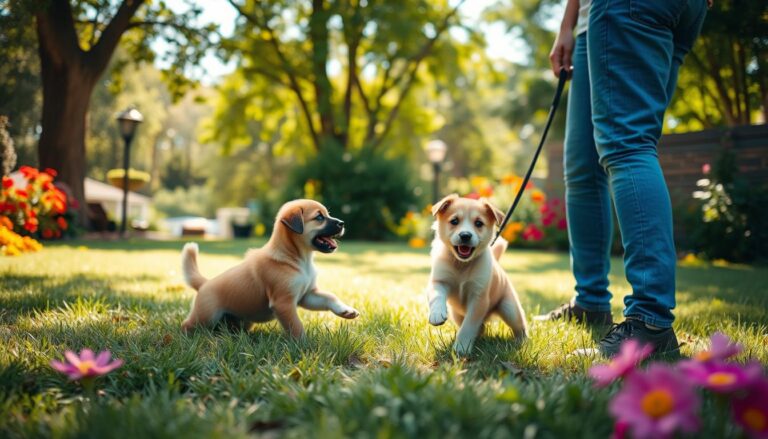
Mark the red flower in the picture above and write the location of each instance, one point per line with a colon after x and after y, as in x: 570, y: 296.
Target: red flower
x: 22, y: 193
x: 29, y: 172
x: 22, y: 205
x: 62, y: 223
x: 50, y: 171
x: 47, y: 234
x: 31, y: 213
x: 30, y: 225
x: 532, y: 233
x: 562, y: 224
x: 7, y: 182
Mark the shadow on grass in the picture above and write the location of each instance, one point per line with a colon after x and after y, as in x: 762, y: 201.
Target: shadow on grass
x: 23, y: 294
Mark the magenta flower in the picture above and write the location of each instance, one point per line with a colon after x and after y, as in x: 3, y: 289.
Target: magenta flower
x: 620, y: 430
x: 86, y: 365
x: 751, y: 412
x: 656, y: 403
x: 630, y: 355
x: 722, y: 377
x: 721, y: 348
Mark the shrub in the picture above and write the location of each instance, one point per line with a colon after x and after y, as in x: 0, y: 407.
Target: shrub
x: 731, y: 219
x: 194, y: 201
x: 363, y: 188
x: 37, y: 208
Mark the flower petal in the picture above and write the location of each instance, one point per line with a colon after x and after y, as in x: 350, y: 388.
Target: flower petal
x: 72, y: 358
x: 103, y: 358
x: 86, y: 355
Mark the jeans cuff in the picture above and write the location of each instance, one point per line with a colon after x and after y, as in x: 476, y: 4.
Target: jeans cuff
x: 593, y: 307
x: 661, y: 323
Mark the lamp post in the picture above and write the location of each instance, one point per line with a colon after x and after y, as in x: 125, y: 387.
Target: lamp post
x: 127, y: 120
x: 436, y: 150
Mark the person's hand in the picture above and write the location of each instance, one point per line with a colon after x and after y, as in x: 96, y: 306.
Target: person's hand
x: 562, y: 53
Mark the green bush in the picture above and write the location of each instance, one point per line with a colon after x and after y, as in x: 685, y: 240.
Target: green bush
x: 362, y: 188
x: 195, y: 201
x: 731, y: 219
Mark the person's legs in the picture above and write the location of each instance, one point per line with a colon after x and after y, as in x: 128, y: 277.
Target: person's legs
x: 587, y: 200
x: 631, y: 47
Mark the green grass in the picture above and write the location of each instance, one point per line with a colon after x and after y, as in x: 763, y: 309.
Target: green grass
x: 386, y: 374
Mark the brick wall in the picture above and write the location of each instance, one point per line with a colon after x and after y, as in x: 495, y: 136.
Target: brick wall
x: 683, y: 155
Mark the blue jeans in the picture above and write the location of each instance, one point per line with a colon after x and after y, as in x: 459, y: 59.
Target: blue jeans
x: 625, y: 71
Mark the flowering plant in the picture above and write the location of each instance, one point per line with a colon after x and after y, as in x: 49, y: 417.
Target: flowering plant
x: 36, y: 207
x: 665, y: 399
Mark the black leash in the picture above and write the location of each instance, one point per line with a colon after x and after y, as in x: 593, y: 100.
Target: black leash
x: 550, y: 117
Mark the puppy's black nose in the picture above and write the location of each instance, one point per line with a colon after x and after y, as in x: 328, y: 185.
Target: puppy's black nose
x: 465, y: 236
x: 340, y: 223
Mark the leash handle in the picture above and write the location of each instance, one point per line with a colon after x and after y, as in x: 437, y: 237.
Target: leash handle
x: 563, y: 77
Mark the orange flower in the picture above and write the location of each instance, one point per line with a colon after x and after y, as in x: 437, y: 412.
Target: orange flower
x: 6, y: 222
x: 538, y: 196
x: 512, y: 230
x: 62, y: 223
x: 417, y: 243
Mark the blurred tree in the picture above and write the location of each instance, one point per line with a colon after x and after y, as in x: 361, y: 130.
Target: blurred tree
x: 75, y: 44
x: 377, y: 46
x: 724, y: 80
x: 20, y: 99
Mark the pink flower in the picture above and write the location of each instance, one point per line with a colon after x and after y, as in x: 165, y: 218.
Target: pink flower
x: 722, y: 377
x: 562, y: 224
x: 622, y: 364
x: 751, y: 412
x: 705, y: 168
x: 721, y: 348
x: 86, y: 365
x: 656, y: 403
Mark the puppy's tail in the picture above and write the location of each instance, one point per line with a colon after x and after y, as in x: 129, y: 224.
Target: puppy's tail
x: 189, y: 266
x: 498, y: 248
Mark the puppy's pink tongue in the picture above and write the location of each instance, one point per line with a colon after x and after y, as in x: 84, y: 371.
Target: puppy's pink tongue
x: 465, y: 250
x: 331, y: 243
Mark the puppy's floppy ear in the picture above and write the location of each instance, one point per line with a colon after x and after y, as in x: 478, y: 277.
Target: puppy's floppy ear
x: 294, y: 220
x: 443, y: 204
x: 495, y: 214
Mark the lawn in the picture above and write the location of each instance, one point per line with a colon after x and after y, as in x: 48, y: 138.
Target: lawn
x: 386, y: 374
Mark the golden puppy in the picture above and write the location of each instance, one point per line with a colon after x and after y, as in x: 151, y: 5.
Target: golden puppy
x: 273, y: 280
x: 466, y: 273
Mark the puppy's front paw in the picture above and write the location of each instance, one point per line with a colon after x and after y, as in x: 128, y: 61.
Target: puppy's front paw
x: 346, y: 312
x: 462, y: 349
x: 438, y: 314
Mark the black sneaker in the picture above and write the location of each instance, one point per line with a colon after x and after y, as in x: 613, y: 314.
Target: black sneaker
x: 571, y: 311
x: 664, y: 341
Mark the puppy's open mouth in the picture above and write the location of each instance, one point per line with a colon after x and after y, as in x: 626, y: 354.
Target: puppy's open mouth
x: 464, y: 251
x: 326, y: 244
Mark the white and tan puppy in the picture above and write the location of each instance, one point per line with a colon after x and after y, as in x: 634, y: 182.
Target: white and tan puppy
x: 273, y: 280
x: 466, y: 274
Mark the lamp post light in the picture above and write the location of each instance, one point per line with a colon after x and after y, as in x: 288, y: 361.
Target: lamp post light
x: 127, y: 120
x: 436, y: 150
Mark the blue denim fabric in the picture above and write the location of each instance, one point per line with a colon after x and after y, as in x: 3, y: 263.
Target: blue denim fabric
x: 587, y: 196
x: 634, y: 49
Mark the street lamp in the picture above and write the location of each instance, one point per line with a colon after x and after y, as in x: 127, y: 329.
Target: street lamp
x: 127, y: 120
x: 436, y: 154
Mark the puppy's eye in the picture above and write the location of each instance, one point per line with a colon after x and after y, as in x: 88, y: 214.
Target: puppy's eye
x: 319, y: 217
x: 455, y: 221
x: 478, y: 223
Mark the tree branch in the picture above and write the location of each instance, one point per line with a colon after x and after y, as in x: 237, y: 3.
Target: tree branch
x: 287, y: 68
x: 425, y: 50
x: 102, y: 51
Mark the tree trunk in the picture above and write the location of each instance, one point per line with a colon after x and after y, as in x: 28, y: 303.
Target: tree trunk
x: 66, y: 95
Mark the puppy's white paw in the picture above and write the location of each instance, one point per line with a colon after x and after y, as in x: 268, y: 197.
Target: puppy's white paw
x: 346, y: 312
x: 462, y: 349
x: 438, y: 314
